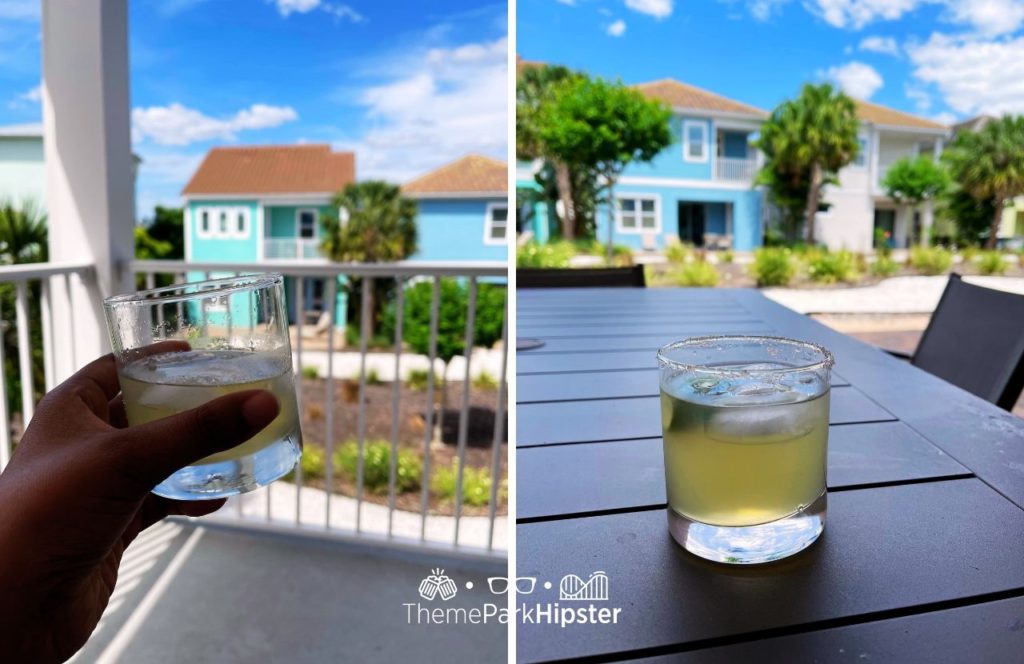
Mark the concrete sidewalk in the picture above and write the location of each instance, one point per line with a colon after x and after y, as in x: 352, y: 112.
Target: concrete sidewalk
x: 899, y: 295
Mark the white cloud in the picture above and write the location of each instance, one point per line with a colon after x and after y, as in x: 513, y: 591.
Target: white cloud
x: 762, y: 10
x: 991, y: 17
x: 885, y: 45
x: 922, y: 100
x: 339, y: 11
x: 571, y: 3
x: 20, y: 10
x: 170, y: 167
x: 30, y: 96
x: 856, y: 79
x: 616, y: 29
x: 437, y: 105
x: 945, y: 118
x: 973, y: 75
x: 180, y: 125
x: 657, y: 8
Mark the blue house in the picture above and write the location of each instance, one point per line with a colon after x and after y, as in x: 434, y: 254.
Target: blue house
x: 698, y: 190
x: 463, y: 210
x: 251, y: 203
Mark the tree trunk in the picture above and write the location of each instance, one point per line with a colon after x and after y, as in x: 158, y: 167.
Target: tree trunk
x: 996, y: 220
x: 813, y: 199
x: 612, y: 205
x: 564, y: 181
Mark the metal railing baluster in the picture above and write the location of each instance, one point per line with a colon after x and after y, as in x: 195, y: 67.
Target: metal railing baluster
x: 299, y: 319
x: 364, y: 334
x: 396, y: 391
x: 5, y: 420
x: 428, y: 433
x: 332, y: 290
x: 464, y: 409
x: 24, y: 353
x: 69, y: 294
x: 46, y: 321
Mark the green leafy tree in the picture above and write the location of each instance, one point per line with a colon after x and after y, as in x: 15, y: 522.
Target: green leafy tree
x: 535, y: 90
x: 912, y: 181
x: 989, y: 165
x: 805, y: 142
x: 603, y: 127
x: 168, y: 225
x: 971, y: 217
x: 451, y: 323
x: 377, y: 225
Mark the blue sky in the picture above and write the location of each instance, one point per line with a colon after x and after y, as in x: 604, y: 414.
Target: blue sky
x: 407, y: 84
x: 942, y: 59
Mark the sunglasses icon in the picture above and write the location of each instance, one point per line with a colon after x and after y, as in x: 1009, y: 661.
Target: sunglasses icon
x: 499, y: 584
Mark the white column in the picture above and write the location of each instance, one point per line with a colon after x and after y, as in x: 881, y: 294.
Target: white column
x: 873, y: 185
x: 88, y: 159
x: 927, y: 219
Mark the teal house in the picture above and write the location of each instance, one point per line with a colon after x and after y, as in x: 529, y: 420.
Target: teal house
x: 699, y: 190
x: 256, y: 203
x: 462, y: 210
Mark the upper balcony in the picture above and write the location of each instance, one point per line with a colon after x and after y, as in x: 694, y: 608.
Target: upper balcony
x: 292, y: 248
x: 736, y: 169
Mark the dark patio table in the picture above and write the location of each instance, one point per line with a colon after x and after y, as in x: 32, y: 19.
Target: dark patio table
x: 922, y: 558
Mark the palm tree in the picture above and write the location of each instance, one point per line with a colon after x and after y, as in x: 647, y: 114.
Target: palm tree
x: 534, y: 90
x: 377, y: 224
x: 989, y: 164
x: 808, y: 139
x: 22, y: 233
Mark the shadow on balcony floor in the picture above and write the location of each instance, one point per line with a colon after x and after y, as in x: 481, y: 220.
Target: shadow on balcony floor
x: 193, y: 594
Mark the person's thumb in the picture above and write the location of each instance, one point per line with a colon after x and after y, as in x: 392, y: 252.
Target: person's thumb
x: 152, y: 451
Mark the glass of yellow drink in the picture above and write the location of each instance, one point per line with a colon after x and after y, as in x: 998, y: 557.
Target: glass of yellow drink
x: 180, y: 346
x: 745, y: 423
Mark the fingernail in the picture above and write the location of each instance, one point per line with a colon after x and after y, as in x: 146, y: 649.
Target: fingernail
x: 259, y: 409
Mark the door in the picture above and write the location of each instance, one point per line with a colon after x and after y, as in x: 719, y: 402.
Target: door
x: 691, y: 223
x: 885, y: 221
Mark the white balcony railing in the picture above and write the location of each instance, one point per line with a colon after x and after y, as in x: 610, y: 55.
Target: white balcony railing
x: 295, y: 505
x: 292, y: 248
x: 735, y: 168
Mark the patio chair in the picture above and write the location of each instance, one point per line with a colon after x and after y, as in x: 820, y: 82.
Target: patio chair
x: 595, y: 277
x: 975, y: 340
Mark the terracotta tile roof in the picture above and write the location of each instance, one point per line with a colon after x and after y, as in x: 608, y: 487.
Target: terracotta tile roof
x: 681, y: 95
x: 471, y: 174
x: 523, y: 65
x: 273, y: 169
x: 883, y: 115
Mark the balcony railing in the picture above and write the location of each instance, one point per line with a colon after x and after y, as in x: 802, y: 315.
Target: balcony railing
x: 295, y: 504
x: 292, y: 247
x: 735, y: 168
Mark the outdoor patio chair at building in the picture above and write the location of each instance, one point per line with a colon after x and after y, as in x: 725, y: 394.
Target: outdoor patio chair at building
x: 596, y: 277
x: 975, y: 340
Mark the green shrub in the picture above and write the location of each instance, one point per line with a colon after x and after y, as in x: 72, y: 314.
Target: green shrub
x: 485, y: 381
x: 311, y: 373
x: 313, y: 462
x: 831, y: 267
x: 697, y: 273
x: 773, y: 267
x: 969, y: 254
x: 930, y: 260
x: 373, y: 377
x: 476, y: 484
x: 622, y: 256
x: 382, y: 339
x: 884, y: 267
x: 551, y: 254
x: 992, y: 263
x: 677, y: 252
x: 417, y: 379
x: 727, y: 256
x: 881, y: 241
x: 377, y: 466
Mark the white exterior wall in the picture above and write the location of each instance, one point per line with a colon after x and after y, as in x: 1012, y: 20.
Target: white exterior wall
x: 22, y: 174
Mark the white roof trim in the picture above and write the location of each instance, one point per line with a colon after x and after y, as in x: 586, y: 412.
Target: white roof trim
x: 456, y: 194
x: 29, y: 130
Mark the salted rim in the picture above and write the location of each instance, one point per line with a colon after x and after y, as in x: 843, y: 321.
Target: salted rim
x: 826, y: 363
x: 210, y: 288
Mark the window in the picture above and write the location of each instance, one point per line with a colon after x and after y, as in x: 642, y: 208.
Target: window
x: 223, y: 222
x: 695, y: 141
x: 307, y: 224
x: 639, y: 214
x: 496, y: 224
x: 862, y: 153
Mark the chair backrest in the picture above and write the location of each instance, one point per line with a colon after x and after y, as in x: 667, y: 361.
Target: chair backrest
x: 975, y: 340
x: 591, y: 277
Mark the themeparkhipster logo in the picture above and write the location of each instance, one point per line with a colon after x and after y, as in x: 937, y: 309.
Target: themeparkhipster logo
x: 580, y: 602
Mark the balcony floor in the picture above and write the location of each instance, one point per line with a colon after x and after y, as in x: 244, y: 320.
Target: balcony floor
x: 193, y: 594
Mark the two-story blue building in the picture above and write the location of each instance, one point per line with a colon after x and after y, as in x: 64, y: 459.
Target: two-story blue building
x: 698, y: 190
x: 462, y: 210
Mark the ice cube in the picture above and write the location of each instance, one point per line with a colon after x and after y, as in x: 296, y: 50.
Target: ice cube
x: 759, y: 424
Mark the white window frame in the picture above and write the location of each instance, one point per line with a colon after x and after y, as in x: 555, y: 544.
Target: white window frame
x: 639, y: 229
x: 298, y: 223
x: 864, y: 154
x: 706, y: 154
x: 213, y: 213
x: 489, y: 224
